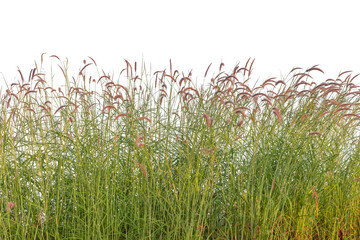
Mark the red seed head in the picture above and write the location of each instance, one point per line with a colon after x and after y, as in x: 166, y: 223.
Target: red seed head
x: 142, y: 168
x: 273, y: 184
x: 10, y: 206
x: 146, y: 118
x: 277, y: 113
x: 137, y: 141
x: 303, y: 117
x: 315, y: 133
x: 207, y: 120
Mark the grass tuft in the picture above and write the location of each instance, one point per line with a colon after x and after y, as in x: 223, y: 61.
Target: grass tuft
x: 150, y: 156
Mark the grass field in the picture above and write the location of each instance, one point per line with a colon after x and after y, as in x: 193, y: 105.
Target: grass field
x: 155, y: 157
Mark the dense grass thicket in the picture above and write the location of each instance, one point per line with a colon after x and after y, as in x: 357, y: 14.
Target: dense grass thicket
x: 155, y: 157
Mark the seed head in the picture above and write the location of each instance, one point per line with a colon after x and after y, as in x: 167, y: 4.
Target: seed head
x: 10, y: 206
x: 207, y: 120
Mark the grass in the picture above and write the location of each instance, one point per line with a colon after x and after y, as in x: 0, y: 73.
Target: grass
x: 158, y: 158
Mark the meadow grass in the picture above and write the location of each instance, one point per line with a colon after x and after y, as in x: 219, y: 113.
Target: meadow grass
x: 155, y: 157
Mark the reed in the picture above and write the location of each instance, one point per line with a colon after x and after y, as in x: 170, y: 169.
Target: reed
x: 150, y: 156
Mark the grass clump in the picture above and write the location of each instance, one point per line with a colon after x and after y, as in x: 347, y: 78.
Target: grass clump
x: 158, y: 158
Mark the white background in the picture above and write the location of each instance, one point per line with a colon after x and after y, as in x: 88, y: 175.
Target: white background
x: 193, y: 33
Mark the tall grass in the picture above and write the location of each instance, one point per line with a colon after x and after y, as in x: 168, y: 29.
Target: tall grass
x: 157, y: 158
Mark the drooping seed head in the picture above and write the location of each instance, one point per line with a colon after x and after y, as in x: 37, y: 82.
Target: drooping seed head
x: 146, y: 118
x: 207, y: 120
x: 303, y: 117
x: 138, y: 139
x: 142, y: 168
x: 315, y: 133
x: 277, y: 113
x: 120, y: 115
